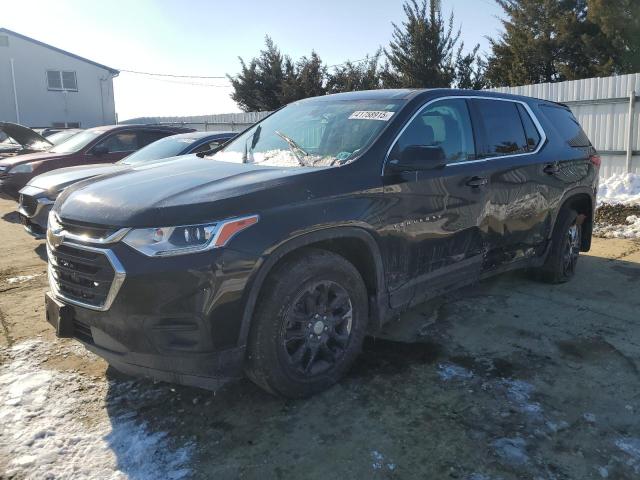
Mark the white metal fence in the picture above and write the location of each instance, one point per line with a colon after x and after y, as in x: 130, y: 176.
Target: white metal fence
x: 606, y: 108
x: 225, y: 122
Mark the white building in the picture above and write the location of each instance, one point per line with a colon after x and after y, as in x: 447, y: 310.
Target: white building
x: 44, y: 86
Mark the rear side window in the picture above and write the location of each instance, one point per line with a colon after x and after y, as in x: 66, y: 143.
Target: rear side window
x: 566, y: 125
x: 530, y: 130
x: 504, y: 132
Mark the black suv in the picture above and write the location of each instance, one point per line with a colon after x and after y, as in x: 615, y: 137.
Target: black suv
x: 276, y: 255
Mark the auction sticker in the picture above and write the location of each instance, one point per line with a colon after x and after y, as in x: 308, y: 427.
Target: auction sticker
x: 371, y: 115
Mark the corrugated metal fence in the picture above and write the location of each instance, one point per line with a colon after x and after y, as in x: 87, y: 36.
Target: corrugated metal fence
x: 606, y: 108
x: 225, y: 122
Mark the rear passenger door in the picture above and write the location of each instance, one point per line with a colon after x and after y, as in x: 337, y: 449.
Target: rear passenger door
x: 432, y: 236
x: 519, y: 205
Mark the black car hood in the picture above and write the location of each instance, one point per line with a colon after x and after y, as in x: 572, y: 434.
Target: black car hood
x: 56, y: 180
x: 26, y: 137
x: 173, y: 192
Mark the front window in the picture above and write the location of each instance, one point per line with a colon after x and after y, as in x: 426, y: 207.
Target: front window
x: 316, y: 133
x: 164, y: 148
x: 77, y: 142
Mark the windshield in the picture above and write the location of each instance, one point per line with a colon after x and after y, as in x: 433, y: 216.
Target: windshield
x: 163, y: 148
x: 77, y: 142
x: 59, y: 137
x: 311, y: 133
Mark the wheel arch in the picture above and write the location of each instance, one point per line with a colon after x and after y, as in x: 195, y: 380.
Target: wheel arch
x: 583, y: 201
x: 345, y: 241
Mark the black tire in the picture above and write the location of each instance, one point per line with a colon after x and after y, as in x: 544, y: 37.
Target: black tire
x: 289, y: 318
x: 560, y: 265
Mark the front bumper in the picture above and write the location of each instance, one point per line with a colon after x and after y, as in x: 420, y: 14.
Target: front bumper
x: 175, y: 319
x: 34, y: 207
x: 10, y: 184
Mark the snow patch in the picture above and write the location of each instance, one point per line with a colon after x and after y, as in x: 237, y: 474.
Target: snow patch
x: 511, y: 450
x: 451, y: 371
x: 49, y: 430
x: 519, y: 392
x: 620, y: 188
x: 21, y: 278
x: 630, y: 446
x: 379, y: 463
x: 630, y: 230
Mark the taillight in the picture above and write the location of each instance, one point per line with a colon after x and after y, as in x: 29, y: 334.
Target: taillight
x: 595, y: 159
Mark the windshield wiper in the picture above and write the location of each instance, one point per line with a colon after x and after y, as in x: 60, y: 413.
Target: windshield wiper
x: 294, y: 147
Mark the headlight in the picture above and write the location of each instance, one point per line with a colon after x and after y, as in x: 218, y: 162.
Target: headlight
x: 24, y: 168
x: 3, y: 168
x: 167, y: 241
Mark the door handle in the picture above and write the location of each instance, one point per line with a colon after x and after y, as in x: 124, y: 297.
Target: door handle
x: 551, y: 168
x: 476, y: 182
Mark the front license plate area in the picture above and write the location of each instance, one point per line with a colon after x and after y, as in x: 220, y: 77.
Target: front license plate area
x: 59, y: 315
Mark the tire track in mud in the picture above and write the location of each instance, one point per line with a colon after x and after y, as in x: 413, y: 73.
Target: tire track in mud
x: 5, y: 329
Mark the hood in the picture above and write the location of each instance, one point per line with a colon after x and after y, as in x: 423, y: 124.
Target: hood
x: 56, y: 180
x: 30, y: 157
x: 26, y: 137
x: 186, y: 190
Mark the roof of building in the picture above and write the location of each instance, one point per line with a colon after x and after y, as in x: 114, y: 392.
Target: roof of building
x: 59, y: 50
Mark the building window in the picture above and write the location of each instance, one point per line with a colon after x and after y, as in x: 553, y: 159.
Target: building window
x: 4, y: 40
x: 65, y: 81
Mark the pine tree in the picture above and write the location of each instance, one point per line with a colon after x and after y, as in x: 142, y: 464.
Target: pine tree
x: 527, y: 50
x: 421, y: 52
x: 258, y: 87
x: 556, y: 40
x: 351, y: 76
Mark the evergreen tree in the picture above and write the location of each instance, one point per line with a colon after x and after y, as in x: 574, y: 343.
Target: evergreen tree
x: 351, y: 76
x: 556, y: 40
x: 619, y: 22
x: 421, y: 52
x: 469, y: 69
x: 527, y: 50
x: 258, y: 87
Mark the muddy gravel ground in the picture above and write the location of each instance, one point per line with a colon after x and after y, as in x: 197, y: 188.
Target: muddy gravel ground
x: 508, y: 379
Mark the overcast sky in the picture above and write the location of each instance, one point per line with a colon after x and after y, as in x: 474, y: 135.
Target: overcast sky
x: 200, y: 37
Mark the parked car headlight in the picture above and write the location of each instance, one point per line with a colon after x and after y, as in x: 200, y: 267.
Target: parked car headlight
x: 168, y: 241
x: 24, y: 168
x: 3, y: 168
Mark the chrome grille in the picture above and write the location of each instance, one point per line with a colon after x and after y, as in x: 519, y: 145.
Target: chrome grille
x: 28, y: 205
x: 81, y: 275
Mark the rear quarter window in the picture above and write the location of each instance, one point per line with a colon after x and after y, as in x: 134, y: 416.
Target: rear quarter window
x: 566, y: 125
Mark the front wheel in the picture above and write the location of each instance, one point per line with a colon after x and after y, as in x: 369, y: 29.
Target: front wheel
x: 308, y: 325
x: 560, y: 265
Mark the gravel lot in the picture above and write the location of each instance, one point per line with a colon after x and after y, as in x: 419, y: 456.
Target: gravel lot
x: 507, y: 379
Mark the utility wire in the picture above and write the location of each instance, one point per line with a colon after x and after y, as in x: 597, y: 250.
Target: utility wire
x: 208, y: 77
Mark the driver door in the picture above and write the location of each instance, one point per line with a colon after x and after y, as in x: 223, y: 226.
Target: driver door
x: 432, y: 232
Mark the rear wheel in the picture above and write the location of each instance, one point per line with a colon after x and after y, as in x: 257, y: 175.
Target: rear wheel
x: 560, y: 265
x: 308, y: 325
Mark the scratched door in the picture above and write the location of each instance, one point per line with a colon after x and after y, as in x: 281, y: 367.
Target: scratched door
x: 432, y: 224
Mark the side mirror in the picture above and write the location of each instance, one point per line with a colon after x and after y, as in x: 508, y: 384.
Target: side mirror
x: 99, y: 150
x: 419, y: 157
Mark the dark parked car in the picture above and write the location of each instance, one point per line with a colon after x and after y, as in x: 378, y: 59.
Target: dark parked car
x: 94, y: 145
x: 314, y: 227
x: 19, y: 140
x: 37, y: 197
